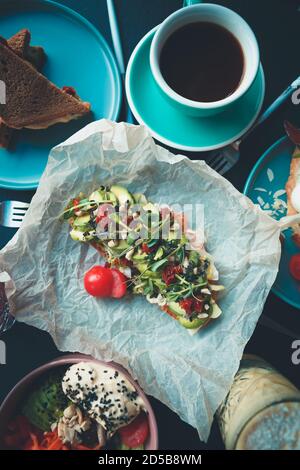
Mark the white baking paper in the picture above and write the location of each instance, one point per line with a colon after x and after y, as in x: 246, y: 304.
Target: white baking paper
x: 191, y: 375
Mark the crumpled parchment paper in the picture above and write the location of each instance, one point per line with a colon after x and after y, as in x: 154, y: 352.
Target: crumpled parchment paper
x: 191, y: 375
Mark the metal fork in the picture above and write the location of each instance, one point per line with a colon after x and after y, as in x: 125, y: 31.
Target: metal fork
x: 223, y: 160
x: 12, y: 213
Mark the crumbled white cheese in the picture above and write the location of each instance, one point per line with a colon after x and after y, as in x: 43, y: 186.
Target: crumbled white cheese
x: 270, y: 175
x: 260, y: 201
x: 262, y: 190
x: 278, y: 193
x: 129, y: 254
x: 126, y: 271
x: 205, y: 291
x: 159, y: 300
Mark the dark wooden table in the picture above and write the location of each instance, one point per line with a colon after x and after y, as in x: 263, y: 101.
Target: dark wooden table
x: 277, y: 25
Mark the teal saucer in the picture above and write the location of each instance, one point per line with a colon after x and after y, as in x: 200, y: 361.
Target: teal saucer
x: 175, y: 129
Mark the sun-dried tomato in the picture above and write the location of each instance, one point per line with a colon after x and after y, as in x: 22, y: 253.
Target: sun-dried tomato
x: 197, y: 305
x: 187, y: 305
x: 145, y: 248
x: 170, y: 272
x: 191, y: 305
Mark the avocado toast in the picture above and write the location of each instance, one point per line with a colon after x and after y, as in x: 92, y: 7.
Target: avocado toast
x: 149, y: 244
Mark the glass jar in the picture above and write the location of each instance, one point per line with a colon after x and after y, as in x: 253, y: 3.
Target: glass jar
x: 261, y: 408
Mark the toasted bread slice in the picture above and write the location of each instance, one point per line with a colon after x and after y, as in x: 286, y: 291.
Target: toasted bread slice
x: 20, y: 44
x: 32, y: 101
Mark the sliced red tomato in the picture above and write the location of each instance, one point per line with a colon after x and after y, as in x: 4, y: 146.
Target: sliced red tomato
x: 119, y: 286
x: 295, y: 266
x: 98, y: 281
x: 135, y: 434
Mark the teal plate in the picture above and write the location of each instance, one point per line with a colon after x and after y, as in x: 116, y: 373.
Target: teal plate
x: 271, y: 173
x: 77, y: 55
x: 175, y: 129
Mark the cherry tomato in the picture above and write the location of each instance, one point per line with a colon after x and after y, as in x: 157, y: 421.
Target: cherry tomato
x: 135, y: 434
x: 295, y: 266
x: 119, y: 286
x: 98, y: 281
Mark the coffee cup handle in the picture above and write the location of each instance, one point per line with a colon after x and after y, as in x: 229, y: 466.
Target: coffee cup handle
x: 187, y: 3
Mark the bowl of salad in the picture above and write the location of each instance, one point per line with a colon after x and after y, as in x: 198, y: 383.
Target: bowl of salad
x: 77, y: 403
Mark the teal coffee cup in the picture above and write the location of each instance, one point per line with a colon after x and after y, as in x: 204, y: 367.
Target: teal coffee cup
x: 218, y: 17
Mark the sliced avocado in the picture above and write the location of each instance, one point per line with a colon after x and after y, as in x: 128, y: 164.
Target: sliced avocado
x: 122, y: 194
x: 46, y: 402
x: 142, y: 267
x: 159, y: 283
x: 103, y: 196
x: 176, y: 309
x: 196, y: 323
x: 82, y: 221
x: 139, y: 257
x: 79, y: 236
x: 140, y: 198
x: 159, y: 254
x: 120, y: 247
x: 216, y: 311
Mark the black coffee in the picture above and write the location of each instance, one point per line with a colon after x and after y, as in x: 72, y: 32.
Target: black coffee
x: 202, y: 62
